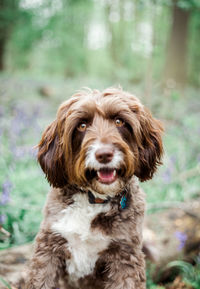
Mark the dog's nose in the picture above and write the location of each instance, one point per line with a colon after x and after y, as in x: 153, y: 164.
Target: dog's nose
x: 104, y: 155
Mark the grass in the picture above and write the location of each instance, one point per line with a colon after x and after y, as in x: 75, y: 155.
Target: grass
x: 6, y: 284
x: 190, y: 274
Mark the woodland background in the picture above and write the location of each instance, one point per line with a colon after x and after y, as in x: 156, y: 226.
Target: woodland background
x: 50, y: 49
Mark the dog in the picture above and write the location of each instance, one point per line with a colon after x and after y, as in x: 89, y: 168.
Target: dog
x: 94, y: 154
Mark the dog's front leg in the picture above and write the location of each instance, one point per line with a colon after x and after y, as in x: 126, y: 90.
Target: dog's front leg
x: 47, y: 261
x: 126, y: 269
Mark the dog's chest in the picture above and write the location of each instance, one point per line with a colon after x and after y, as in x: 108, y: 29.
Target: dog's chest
x: 84, y: 243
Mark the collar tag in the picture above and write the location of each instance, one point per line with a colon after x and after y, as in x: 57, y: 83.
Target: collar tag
x: 123, y: 203
x: 93, y: 200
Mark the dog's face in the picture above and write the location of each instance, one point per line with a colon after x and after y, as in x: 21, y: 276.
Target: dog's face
x: 100, y: 140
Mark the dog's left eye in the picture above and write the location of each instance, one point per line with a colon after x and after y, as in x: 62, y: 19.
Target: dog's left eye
x: 119, y: 122
x: 82, y: 126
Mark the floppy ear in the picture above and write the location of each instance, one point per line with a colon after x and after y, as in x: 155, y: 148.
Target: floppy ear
x: 51, y: 156
x: 151, y: 148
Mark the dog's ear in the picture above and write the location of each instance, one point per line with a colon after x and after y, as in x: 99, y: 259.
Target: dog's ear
x: 55, y: 149
x: 150, y: 148
x: 51, y: 156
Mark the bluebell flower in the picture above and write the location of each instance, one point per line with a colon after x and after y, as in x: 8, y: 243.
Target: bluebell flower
x: 182, y: 237
x: 2, y: 219
x: 168, y: 173
x: 167, y: 176
x: 6, y: 189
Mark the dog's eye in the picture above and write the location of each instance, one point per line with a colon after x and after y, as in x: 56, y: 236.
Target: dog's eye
x: 82, y: 126
x: 119, y: 122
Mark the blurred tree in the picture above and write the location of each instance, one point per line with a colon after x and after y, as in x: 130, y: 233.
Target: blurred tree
x: 25, y: 35
x: 17, y: 31
x: 119, y: 39
x: 8, y: 15
x: 177, y: 48
x: 120, y: 23
x: 66, y: 35
x: 193, y: 50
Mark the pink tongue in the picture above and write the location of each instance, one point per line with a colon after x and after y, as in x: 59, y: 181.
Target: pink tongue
x: 106, y: 176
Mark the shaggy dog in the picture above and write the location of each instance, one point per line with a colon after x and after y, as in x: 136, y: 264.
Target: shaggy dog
x: 93, y: 154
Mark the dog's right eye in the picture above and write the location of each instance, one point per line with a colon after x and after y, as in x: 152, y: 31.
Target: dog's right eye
x: 119, y: 122
x: 82, y: 126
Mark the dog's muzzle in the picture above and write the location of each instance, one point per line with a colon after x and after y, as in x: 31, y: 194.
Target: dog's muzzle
x: 103, y: 161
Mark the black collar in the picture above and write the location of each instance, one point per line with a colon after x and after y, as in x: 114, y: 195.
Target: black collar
x: 122, y: 197
x: 93, y: 200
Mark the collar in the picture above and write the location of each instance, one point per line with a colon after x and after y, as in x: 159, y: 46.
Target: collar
x: 93, y: 200
x: 122, y: 199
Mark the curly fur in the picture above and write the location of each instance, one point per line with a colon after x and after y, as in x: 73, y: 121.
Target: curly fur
x: 84, y: 245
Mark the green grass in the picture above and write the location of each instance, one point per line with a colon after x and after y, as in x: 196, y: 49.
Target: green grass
x: 189, y: 273
x: 5, y: 283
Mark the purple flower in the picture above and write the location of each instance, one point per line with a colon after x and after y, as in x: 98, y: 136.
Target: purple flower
x: 21, y: 151
x: 168, y: 173
x: 173, y: 159
x: 2, y: 219
x: 20, y: 124
x: 6, y: 189
x: 167, y: 176
x: 182, y: 237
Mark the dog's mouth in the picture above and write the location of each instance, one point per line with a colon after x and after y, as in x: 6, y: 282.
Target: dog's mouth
x: 104, y: 175
x: 107, y: 175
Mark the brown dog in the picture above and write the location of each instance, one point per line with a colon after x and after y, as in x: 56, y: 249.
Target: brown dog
x: 92, y: 155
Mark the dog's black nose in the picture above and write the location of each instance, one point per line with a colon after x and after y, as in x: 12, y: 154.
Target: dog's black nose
x: 104, y: 155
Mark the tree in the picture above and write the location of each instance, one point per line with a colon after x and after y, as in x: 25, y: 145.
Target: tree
x: 8, y: 14
x: 177, y: 47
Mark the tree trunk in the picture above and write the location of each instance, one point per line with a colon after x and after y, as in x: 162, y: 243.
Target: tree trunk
x: 117, y: 35
x: 7, y: 8
x: 3, y: 32
x: 2, y: 50
x: 176, y: 60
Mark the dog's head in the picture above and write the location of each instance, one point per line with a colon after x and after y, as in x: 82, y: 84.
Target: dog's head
x: 100, y: 140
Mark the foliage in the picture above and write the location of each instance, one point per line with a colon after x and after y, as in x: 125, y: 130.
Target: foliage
x: 18, y: 130
x: 8, y: 13
x: 122, y: 40
x: 188, y: 4
x: 5, y: 283
x: 190, y: 273
x: 150, y: 284
x: 181, y: 149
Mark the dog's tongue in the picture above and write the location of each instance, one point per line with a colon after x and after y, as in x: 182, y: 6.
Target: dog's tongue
x: 107, y: 176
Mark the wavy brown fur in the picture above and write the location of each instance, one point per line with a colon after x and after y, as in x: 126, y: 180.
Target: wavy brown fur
x: 62, y: 154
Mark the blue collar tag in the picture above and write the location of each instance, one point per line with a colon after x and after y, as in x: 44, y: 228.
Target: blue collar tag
x: 123, y: 202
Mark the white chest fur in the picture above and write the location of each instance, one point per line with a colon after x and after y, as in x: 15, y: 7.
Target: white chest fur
x: 84, y: 244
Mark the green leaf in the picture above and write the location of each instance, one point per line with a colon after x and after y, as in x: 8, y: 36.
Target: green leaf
x: 5, y: 283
